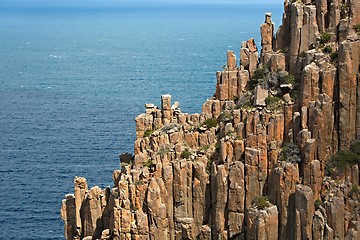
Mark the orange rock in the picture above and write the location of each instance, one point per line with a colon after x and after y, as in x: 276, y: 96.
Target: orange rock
x: 231, y: 60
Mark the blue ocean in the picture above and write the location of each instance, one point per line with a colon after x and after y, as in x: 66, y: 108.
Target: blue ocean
x: 72, y: 80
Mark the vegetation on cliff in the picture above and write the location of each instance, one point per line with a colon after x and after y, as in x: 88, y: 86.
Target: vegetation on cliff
x: 251, y: 167
x: 343, y: 160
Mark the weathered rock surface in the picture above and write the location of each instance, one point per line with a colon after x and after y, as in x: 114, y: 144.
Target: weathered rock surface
x: 260, y: 96
x: 202, y: 176
x: 262, y: 224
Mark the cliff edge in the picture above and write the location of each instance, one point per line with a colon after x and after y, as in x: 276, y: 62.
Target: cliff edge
x: 275, y: 153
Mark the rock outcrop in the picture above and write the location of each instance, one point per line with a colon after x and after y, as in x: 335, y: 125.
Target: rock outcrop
x: 273, y: 155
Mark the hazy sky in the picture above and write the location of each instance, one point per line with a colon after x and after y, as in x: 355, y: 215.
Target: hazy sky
x: 117, y: 2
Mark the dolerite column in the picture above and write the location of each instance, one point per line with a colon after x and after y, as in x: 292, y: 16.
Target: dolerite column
x: 304, y: 212
x: 166, y: 108
x: 80, y: 191
x: 231, y: 60
x: 262, y: 223
x: 283, y: 180
x: 69, y: 216
x: 267, y: 34
x: 253, y: 55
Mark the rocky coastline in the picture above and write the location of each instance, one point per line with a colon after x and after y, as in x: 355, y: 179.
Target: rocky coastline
x: 274, y: 154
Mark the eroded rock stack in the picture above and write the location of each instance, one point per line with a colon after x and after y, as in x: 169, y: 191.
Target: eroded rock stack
x: 255, y: 163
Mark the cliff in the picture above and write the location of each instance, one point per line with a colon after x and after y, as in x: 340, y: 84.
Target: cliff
x: 273, y: 155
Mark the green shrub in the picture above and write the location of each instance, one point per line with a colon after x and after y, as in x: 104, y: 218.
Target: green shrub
x: 133, y: 207
x: 357, y: 28
x: 355, y: 147
x: 338, y: 162
x: 236, y: 98
x: 327, y: 49
x: 244, y: 102
x: 345, y: 7
x: 139, y: 182
x: 185, y: 153
x: 261, y: 202
x: 204, y: 148
x: 334, y: 56
x: 302, y: 54
x: 148, y: 132
x: 272, y: 100
x: 288, y: 79
x: 290, y: 153
x: 294, y: 94
x: 252, y: 84
x: 208, y: 166
x: 217, y: 147
x: 210, y: 123
x: 273, y: 103
x: 148, y: 163
x: 259, y: 73
x: 229, y: 133
x: 225, y: 116
x: 259, y: 77
x: 164, y: 149
x: 116, y: 194
x: 354, y: 190
x: 325, y: 37
x: 317, y: 204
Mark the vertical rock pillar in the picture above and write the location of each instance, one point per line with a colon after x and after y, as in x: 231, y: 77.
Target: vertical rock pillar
x: 267, y: 34
x: 249, y: 56
x: 69, y: 216
x: 236, y: 202
x: 349, y: 62
x: 231, y: 60
x: 166, y: 108
x: 80, y: 191
x: 283, y: 180
x: 219, y: 191
x: 304, y: 212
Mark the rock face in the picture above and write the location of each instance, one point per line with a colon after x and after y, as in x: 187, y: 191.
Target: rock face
x: 262, y: 224
x: 254, y: 164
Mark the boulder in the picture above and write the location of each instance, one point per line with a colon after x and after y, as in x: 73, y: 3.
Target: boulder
x: 260, y: 96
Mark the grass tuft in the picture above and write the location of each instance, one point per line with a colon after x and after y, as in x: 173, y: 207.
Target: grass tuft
x: 327, y: 49
x: 273, y: 103
x: 288, y: 79
x: 290, y: 153
x: 317, y: 204
x: 334, y: 56
x: 325, y: 37
x: 259, y: 76
x: 261, y: 202
x: 148, y: 163
x: 357, y: 28
x: 210, y: 123
x: 338, y: 162
x: 185, y: 153
x: 148, y: 132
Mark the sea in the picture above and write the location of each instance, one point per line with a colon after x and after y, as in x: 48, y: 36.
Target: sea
x: 72, y: 80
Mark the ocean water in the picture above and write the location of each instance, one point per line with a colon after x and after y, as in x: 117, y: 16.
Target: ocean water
x: 72, y: 80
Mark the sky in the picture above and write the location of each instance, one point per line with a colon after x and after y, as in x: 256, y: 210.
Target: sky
x: 39, y: 3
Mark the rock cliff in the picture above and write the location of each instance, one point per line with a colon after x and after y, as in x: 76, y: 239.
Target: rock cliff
x: 273, y: 155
